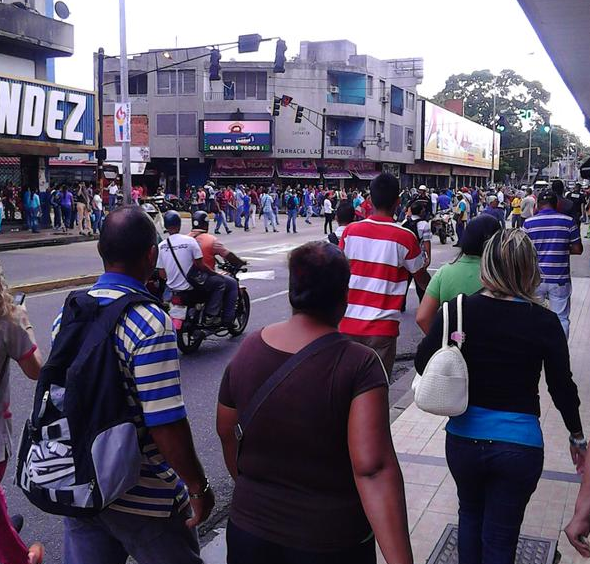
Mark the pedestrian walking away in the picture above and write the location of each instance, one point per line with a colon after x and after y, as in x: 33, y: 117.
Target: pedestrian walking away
x: 374, y: 246
x: 302, y: 501
x: 462, y: 275
x: 266, y: 210
x: 17, y: 342
x: 494, y: 450
x: 292, y: 204
x: 154, y: 521
x: 556, y: 236
x: 328, y: 215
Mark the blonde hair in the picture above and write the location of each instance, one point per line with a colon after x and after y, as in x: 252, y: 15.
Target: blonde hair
x: 7, y: 307
x: 510, y: 267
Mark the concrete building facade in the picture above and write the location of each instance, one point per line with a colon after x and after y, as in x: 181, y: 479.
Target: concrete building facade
x: 370, y: 108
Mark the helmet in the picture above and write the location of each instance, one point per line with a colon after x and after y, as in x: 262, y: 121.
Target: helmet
x: 201, y: 221
x: 172, y: 219
x: 422, y: 187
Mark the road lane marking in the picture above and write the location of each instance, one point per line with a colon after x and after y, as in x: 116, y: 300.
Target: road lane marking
x: 55, y: 292
x: 270, y: 297
x: 254, y: 258
x: 257, y: 275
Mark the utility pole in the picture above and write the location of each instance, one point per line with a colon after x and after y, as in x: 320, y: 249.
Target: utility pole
x: 493, y: 136
x: 528, y: 172
x: 100, y: 88
x: 126, y: 145
x: 323, y: 150
x: 550, y: 130
x: 177, y: 134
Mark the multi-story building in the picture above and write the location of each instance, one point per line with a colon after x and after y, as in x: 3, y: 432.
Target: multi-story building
x: 38, y: 118
x: 179, y: 114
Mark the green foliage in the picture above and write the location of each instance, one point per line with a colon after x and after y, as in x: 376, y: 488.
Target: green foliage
x: 513, y: 94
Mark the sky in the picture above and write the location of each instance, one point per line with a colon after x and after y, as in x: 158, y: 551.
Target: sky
x: 452, y: 36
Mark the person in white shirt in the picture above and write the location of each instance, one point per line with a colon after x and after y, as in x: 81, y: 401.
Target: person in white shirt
x: 113, y: 191
x: 344, y: 217
x: 176, y: 256
x: 434, y: 201
x: 328, y: 214
x: 97, y: 207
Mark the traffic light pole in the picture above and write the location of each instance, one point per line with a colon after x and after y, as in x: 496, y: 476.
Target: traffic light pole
x: 100, y: 88
x: 125, y: 100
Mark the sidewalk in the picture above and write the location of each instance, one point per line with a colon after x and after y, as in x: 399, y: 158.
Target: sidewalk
x: 419, y: 440
x: 12, y: 240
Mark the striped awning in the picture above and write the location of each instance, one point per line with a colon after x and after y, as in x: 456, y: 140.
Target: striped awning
x: 12, y: 161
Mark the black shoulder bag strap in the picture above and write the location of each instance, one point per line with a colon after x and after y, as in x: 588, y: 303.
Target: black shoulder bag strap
x: 177, y: 262
x: 278, y: 377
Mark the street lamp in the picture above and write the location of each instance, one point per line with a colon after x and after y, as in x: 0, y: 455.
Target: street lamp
x: 548, y: 129
x: 168, y: 55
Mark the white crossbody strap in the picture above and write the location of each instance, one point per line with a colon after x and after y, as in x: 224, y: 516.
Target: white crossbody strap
x: 460, y: 319
x: 445, y: 337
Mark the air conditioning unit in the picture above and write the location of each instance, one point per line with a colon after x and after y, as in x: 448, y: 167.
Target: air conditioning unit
x: 334, y: 90
x: 384, y: 99
x: 380, y: 136
x: 333, y: 133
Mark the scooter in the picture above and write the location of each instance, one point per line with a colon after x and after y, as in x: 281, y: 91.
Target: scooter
x: 188, y: 318
x: 442, y: 226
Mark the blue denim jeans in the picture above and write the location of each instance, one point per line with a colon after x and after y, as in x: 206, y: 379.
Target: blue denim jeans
x: 113, y: 536
x: 112, y: 201
x: 239, y: 213
x: 495, y: 481
x: 221, y: 220
x: 292, y: 218
x: 559, y: 297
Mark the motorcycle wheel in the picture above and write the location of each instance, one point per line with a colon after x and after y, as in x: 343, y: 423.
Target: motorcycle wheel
x: 442, y: 236
x: 242, y: 314
x: 189, y: 342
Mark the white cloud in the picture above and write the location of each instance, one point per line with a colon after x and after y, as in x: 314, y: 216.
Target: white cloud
x: 452, y: 36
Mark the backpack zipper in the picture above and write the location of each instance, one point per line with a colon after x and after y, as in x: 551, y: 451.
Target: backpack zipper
x: 43, y: 405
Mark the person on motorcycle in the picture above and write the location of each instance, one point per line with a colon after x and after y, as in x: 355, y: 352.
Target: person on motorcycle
x: 212, y: 247
x: 181, y: 259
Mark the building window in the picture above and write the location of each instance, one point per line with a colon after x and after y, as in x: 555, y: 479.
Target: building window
x: 369, y: 86
x: 137, y: 85
x: 397, y: 101
x: 186, y: 81
x: 166, y: 124
x: 187, y: 125
x: 244, y: 86
x: 409, y: 139
x: 397, y: 138
x: 410, y: 100
x: 382, y: 127
x: 372, y: 128
x: 382, y: 88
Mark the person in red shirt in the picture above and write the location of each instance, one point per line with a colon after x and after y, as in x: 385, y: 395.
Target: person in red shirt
x: 382, y: 256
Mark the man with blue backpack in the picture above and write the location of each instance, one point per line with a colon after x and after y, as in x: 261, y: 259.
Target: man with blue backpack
x: 292, y: 204
x: 108, y: 444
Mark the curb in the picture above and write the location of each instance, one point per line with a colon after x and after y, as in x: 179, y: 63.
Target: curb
x: 48, y: 285
x: 51, y: 242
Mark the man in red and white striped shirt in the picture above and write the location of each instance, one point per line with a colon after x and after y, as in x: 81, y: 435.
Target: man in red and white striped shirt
x: 382, y: 256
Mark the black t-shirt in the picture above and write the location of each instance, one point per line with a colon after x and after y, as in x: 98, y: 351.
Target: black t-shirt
x: 566, y: 207
x: 507, y: 345
x: 296, y: 486
x: 578, y: 200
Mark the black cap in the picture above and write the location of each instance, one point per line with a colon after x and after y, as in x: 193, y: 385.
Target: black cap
x: 547, y: 196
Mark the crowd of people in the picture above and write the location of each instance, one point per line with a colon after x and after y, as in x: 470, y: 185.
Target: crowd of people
x: 303, y: 410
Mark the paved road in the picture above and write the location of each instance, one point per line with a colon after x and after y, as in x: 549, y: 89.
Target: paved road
x: 201, y: 374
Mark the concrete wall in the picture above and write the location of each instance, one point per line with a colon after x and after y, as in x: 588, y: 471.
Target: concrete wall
x: 15, y: 66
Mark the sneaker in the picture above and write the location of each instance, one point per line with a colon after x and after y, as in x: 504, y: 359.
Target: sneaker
x: 217, y: 232
x: 36, y: 553
x: 18, y: 522
x: 229, y: 231
x: 275, y: 230
x: 211, y: 320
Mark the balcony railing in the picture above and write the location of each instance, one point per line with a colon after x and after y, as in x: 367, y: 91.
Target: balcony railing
x: 229, y: 96
x: 346, y: 99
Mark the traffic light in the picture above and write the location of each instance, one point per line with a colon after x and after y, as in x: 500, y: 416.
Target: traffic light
x: 547, y: 128
x: 249, y: 43
x: 299, y: 114
x: 286, y: 100
x: 501, y: 124
x: 214, y: 68
x: 100, y: 154
x: 276, y: 106
x: 280, y: 59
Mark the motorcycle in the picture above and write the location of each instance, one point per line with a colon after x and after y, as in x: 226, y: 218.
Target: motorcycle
x: 188, y: 318
x: 442, y: 226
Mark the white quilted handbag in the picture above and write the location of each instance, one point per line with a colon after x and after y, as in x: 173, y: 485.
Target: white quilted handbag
x: 443, y: 388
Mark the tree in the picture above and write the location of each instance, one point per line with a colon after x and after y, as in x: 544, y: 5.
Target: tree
x: 514, y: 96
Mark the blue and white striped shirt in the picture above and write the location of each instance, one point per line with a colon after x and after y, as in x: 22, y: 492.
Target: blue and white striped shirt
x: 145, y: 343
x: 552, y: 234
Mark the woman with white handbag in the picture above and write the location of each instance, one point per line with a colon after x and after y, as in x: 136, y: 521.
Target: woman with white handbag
x: 495, y: 447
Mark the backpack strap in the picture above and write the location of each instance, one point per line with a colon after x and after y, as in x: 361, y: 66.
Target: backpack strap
x: 278, y: 377
x: 460, y: 319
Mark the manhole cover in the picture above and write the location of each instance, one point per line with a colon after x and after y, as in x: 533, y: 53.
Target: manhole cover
x: 530, y: 550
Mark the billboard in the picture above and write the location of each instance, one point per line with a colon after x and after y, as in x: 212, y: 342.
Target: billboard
x: 452, y: 139
x: 36, y: 113
x: 237, y: 136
